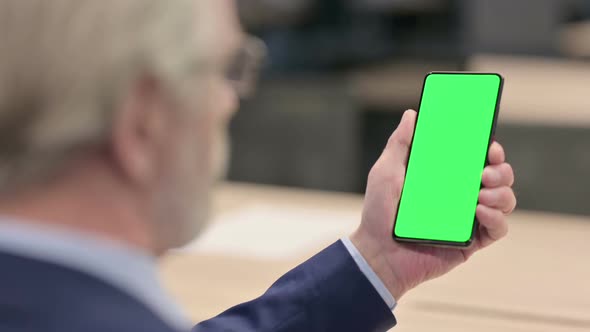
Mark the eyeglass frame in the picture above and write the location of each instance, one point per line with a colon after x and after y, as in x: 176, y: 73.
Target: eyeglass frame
x: 244, y: 70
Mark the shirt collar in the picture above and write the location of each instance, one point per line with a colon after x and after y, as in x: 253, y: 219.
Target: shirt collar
x: 98, y: 257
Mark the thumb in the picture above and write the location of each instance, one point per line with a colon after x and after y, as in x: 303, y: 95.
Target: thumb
x: 399, y: 143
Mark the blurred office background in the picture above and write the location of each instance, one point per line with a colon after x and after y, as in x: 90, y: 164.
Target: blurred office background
x: 341, y: 72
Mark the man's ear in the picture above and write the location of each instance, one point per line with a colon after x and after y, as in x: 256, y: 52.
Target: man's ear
x: 139, y: 131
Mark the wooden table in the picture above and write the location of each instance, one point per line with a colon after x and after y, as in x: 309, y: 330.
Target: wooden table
x: 540, y: 91
x: 538, y: 279
x: 537, y: 90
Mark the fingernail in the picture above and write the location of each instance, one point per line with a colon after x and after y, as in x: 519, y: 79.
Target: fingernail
x: 487, y: 196
x: 405, y: 115
x: 493, y: 176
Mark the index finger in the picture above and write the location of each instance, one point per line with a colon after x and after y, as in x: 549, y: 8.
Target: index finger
x: 401, y: 139
x: 496, y: 155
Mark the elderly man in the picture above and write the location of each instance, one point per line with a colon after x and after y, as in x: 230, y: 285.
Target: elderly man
x: 112, y: 123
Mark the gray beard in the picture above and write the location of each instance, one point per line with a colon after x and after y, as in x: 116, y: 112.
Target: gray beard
x: 182, y: 213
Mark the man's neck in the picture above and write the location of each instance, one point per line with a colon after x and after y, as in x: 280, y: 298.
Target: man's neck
x: 96, y: 206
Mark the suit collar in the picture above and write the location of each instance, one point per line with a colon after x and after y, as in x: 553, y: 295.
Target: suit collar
x: 123, y: 267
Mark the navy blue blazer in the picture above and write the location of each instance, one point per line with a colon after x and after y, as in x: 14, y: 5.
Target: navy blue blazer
x: 326, y: 293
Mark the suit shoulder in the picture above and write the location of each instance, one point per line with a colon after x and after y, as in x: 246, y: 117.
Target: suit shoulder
x: 42, y: 297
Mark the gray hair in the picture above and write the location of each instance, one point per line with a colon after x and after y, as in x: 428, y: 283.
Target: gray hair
x: 65, y: 63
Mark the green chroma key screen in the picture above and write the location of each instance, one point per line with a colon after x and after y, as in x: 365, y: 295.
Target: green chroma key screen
x: 455, y: 123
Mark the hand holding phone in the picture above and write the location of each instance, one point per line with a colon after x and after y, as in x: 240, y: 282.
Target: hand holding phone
x: 402, y: 265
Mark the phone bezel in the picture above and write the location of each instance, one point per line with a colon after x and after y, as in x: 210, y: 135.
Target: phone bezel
x: 432, y: 242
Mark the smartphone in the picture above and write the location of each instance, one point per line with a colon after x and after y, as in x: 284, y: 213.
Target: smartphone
x: 454, y: 129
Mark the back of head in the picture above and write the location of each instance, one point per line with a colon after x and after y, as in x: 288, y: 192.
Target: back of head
x: 65, y: 64
x: 115, y: 110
